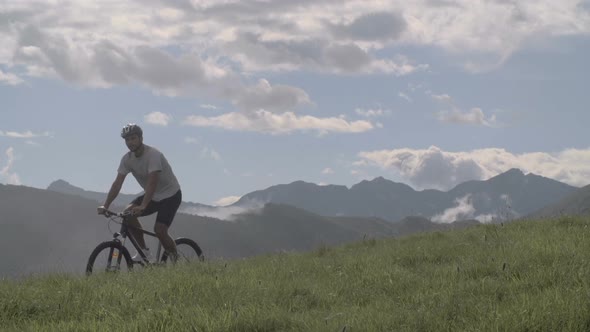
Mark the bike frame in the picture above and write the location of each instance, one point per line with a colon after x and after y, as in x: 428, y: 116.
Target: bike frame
x: 124, y: 233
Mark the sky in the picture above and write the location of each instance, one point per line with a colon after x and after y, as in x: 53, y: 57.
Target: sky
x: 243, y: 95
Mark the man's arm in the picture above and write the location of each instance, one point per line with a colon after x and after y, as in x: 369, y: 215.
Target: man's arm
x: 114, y: 191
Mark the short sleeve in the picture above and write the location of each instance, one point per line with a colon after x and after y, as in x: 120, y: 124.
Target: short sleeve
x: 155, y: 162
x: 123, y: 169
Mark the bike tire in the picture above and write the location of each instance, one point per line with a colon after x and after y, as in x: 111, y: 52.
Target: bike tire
x: 188, y: 251
x: 109, y: 250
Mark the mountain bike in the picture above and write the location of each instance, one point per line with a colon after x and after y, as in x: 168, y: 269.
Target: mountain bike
x: 113, y: 256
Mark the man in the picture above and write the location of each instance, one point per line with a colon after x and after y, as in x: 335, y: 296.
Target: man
x: 161, y: 189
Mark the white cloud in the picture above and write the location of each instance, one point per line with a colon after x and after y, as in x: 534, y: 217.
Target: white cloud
x: 435, y: 168
x: 10, y: 79
x: 415, y: 87
x: 227, y: 200
x: 486, y: 218
x: 104, y: 63
x: 268, y: 122
x: 327, y: 170
x: 486, y: 33
x: 158, y: 118
x: 227, y: 213
x: 210, y: 153
x: 206, y: 152
x: 276, y: 99
x: 405, y: 97
x: 398, y: 66
x: 265, y: 35
x: 191, y: 140
x: 455, y: 115
x: 463, y: 210
x: 25, y: 134
x: 475, y: 116
x: 506, y: 198
x: 208, y: 106
x: 32, y: 143
x: 7, y: 173
x: 369, y: 113
x: 445, y: 98
x: 256, y: 53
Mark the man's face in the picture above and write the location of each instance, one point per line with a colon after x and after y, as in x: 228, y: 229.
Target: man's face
x: 133, y: 142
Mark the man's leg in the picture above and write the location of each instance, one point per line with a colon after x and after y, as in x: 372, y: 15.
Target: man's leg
x: 161, y: 231
x: 166, y: 213
x: 137, y: 233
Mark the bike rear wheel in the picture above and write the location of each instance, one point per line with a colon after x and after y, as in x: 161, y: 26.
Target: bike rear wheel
x: 188, y: 251
x: 109, y: 257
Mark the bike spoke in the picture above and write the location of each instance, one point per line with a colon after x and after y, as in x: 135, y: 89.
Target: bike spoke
x: 107, y: 258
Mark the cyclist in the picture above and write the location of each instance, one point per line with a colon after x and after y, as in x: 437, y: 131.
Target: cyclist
x: 161, y: 189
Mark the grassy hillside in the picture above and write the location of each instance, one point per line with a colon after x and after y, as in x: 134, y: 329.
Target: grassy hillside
x: 524, y: 276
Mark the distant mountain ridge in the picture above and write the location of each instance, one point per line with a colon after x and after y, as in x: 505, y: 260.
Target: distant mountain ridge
x: 508, y: 195
x: 65, y: 187
x: 122, y: 200
x: 574, y: 204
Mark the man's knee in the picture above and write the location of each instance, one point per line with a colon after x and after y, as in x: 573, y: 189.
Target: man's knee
x: 131, y: 218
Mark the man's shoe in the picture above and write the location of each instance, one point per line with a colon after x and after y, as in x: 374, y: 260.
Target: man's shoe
x: 138, y: 258
x: 172, y: 256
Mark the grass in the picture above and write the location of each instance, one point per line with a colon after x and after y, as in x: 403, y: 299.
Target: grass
x: 523, y: 276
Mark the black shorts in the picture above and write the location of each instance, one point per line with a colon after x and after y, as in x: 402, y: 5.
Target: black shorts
x: 166, y: 208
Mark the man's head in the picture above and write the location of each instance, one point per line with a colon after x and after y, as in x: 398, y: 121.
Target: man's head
x: 131, y: 129
x: 133, y: 136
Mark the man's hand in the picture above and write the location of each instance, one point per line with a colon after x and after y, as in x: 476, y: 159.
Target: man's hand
x: 137, y: 210
x: 101, y: 210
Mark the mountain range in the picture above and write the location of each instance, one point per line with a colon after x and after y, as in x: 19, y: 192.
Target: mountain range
x: 506, y: 196
x: 55, y: 230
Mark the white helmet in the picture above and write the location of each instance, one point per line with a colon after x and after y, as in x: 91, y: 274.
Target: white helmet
x: 131, y: 129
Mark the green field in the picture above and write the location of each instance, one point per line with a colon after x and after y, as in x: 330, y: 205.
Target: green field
x: 523, y: 276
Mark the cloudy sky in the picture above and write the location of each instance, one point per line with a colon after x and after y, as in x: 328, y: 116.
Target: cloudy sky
x: 242, y: 95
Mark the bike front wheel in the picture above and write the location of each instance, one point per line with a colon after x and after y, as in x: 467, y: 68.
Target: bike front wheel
x: 188, y: 251
x: 109, y: 257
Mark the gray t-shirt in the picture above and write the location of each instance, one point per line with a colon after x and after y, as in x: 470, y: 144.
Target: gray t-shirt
x: 150, y: 161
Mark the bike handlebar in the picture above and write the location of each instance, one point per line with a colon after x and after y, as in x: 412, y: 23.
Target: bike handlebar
x: 109, y: 213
